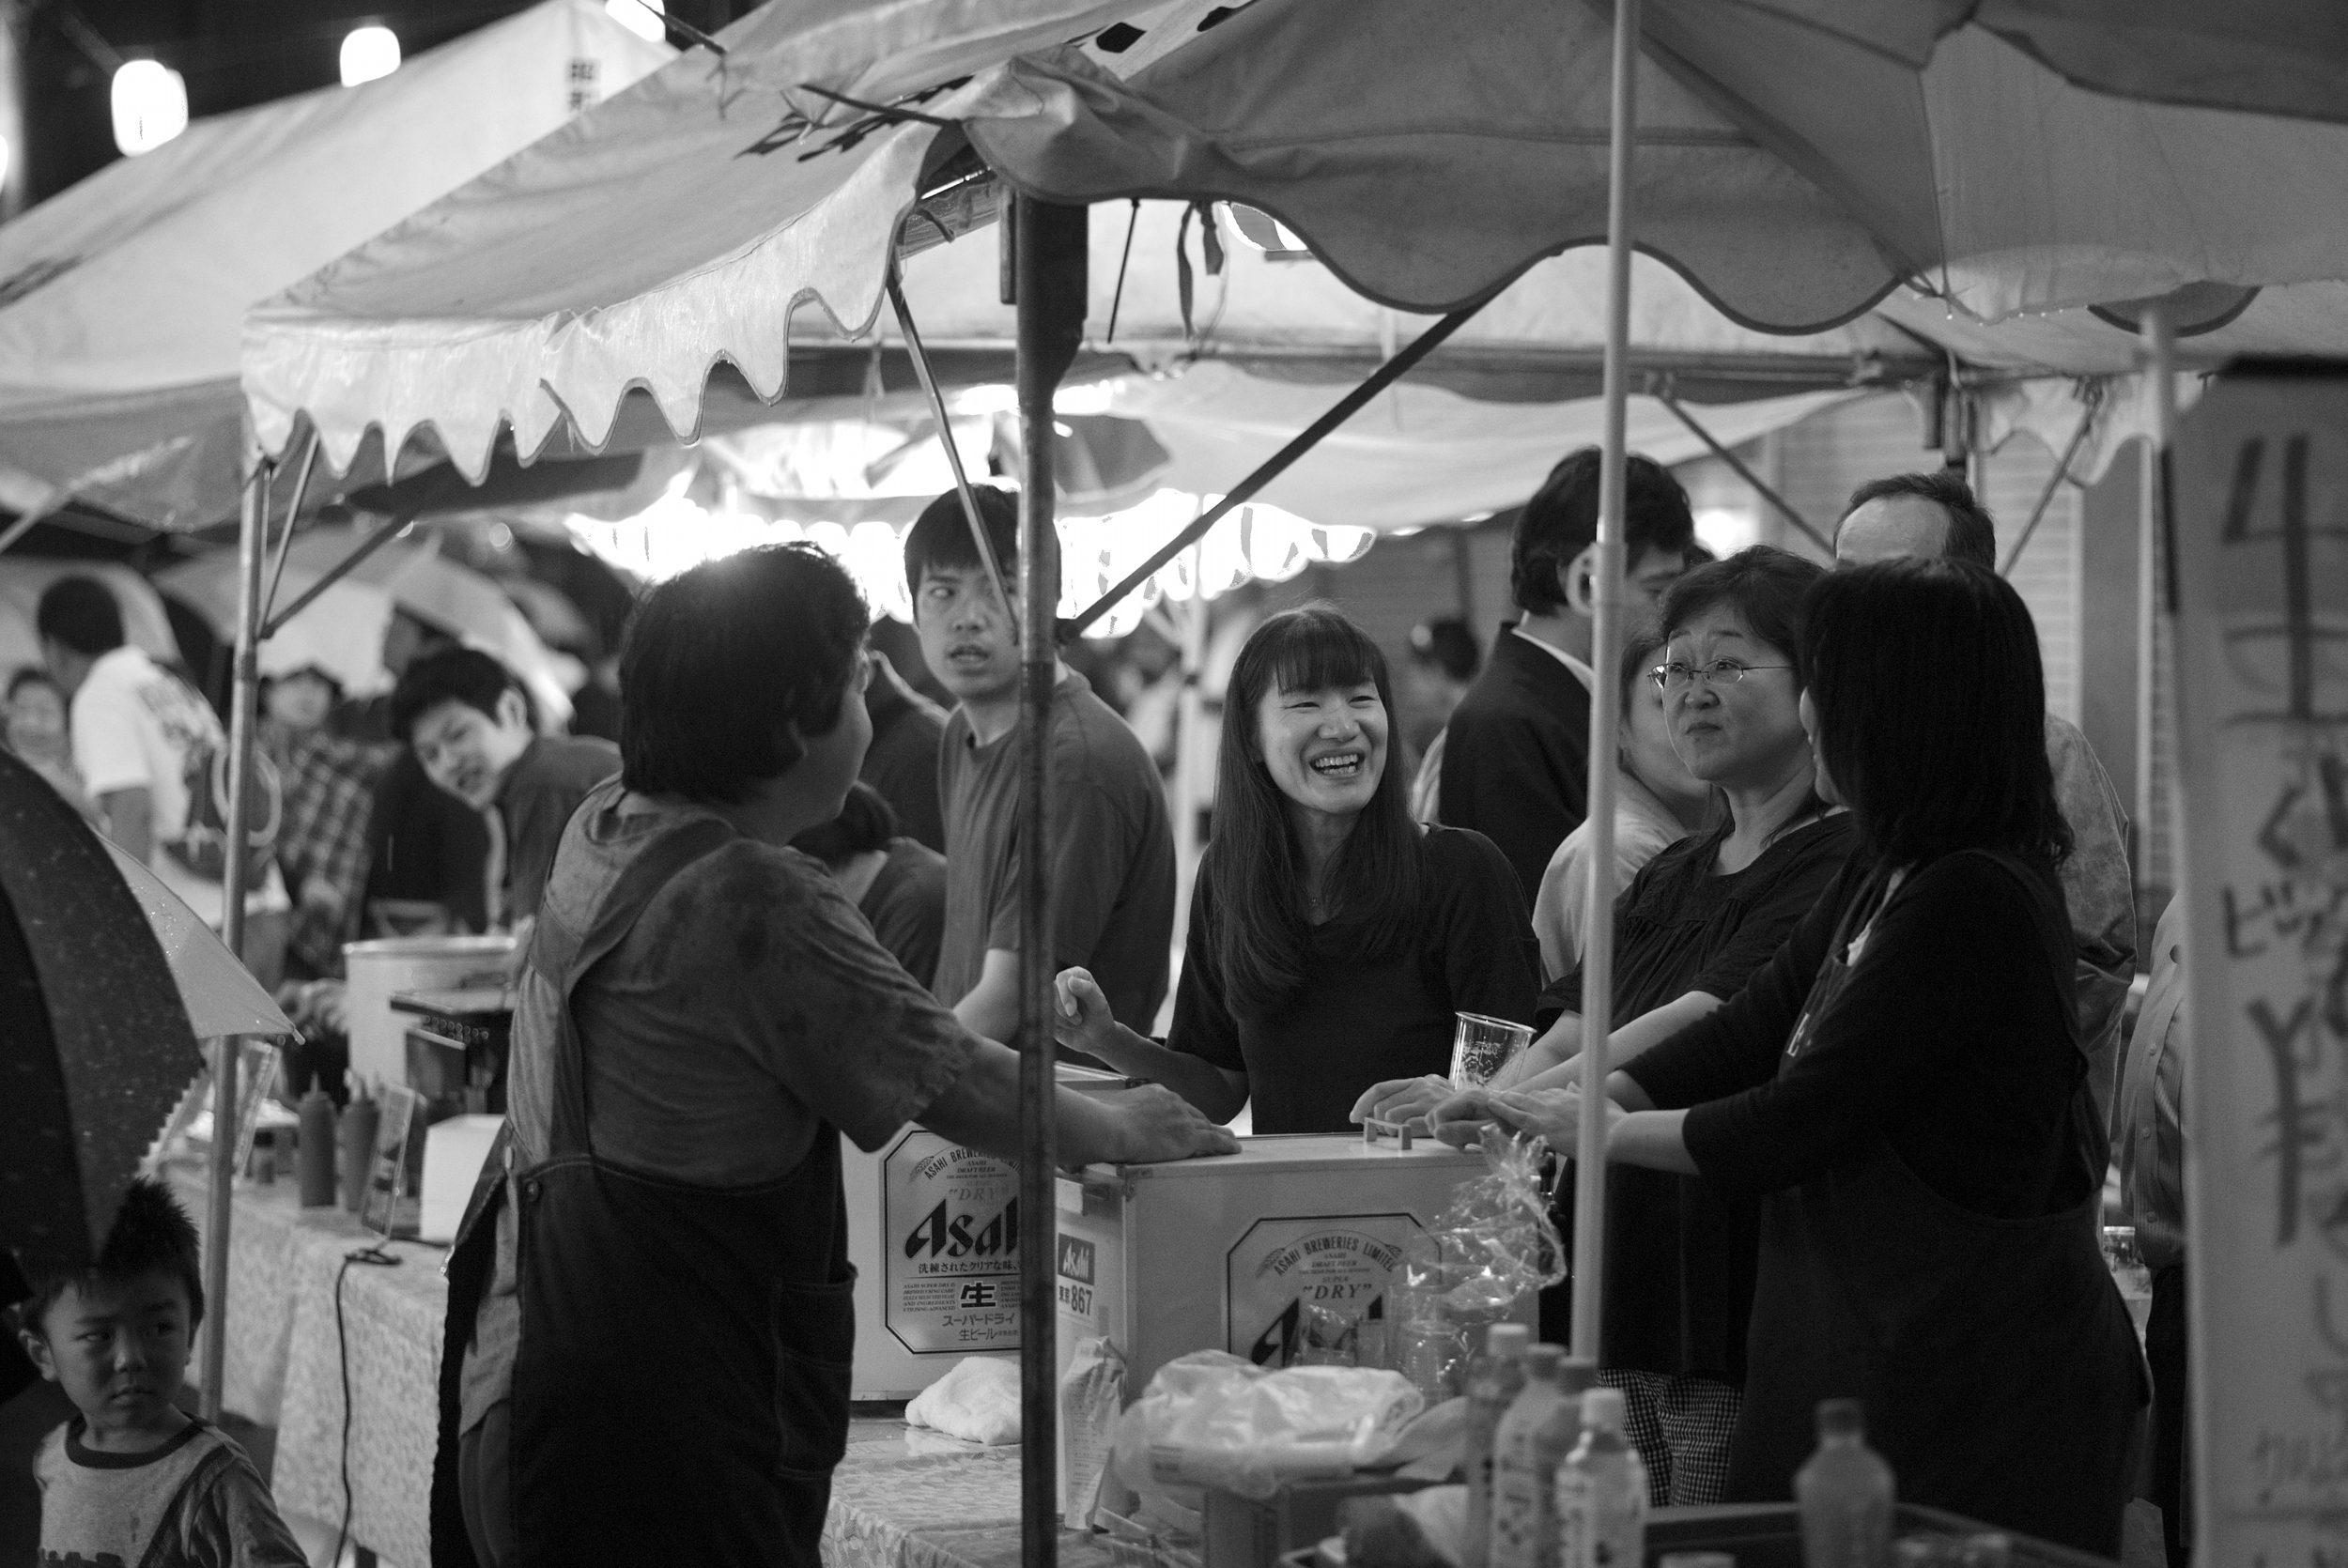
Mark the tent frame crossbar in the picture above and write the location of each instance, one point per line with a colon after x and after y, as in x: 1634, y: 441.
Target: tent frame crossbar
x: 2054, y: 480
x: 1663, y: 394
x: 1277, y: 464
x: 284, y: 540
x: 920, y: 356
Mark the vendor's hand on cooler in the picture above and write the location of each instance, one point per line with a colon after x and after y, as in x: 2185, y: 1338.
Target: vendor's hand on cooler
x: 1157, y: 1124
x: 1401, y: 1099
x: 1081, y: 1019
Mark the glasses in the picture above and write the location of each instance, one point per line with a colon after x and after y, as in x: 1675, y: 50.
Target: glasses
x: 1719, y: 672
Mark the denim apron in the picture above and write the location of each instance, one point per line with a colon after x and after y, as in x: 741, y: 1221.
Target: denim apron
x: 1996, y: 1361
x: 680, y: 1391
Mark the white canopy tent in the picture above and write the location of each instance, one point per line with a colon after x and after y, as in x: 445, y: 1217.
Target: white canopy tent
x: 122, y: 299
x: 1798, y: 211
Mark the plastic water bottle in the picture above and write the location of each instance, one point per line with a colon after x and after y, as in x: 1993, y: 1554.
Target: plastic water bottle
x: 1535, y: 1434
x: 1601, y: 1491
x: 1494, y: 1378
x: 1423, y: 1345
x: 1844, y: 1494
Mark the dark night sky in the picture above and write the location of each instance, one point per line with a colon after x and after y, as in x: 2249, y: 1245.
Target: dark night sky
x: 233, y: 53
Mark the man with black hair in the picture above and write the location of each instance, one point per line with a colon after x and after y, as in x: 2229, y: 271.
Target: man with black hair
x: 1937, y: 514
x: 153, y: 756
x: 1112, y: 849
x: 132, y: 1478
x: 465, y: 716
x: 1516, y: 756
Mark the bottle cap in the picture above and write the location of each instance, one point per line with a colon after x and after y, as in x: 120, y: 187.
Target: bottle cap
x: 1841, y: 1418
x: 1542, y: 1360
x: 1506, y: 1339
x: 1602, y: 1409
x: 1578, y: 1374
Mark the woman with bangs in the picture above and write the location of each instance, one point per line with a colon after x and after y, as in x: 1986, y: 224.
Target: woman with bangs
x: 1332, y: 938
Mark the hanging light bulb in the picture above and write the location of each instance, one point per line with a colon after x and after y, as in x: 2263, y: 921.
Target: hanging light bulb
x: 639, y: 17
x: 150, y: 105
x: 369, y: 54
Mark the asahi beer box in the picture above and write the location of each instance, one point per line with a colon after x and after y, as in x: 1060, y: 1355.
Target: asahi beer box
x: 934, y: 1233
x: 1225, y: 1254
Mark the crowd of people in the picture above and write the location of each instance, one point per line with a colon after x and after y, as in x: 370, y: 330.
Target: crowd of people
x: 1873, y: 931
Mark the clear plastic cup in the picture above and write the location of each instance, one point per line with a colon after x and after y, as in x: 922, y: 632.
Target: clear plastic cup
x: 1481, y: 1046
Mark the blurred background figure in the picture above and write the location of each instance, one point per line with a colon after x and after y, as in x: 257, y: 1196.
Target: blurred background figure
x: 901, y: 765
x: 35, y: 732
x: 896, y: 883
x: 1443, y: 665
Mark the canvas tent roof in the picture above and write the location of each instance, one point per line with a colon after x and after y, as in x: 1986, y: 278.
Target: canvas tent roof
x: 122, y: 299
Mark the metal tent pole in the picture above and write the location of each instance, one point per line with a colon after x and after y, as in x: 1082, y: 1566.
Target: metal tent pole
x: 2160, y: 360
x: 1049, y: 274
x: 1598, y: 962
x: 244, y: 689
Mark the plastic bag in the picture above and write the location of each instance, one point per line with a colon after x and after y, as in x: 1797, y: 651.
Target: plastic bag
x: 1092, y: 1394
x: 1499, y: 1246
x: 977, y: 1402
x: 1212, y: 1420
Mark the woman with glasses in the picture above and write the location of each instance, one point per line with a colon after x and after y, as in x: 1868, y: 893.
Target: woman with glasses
x: 1691, y: 927
x: 1904, y: 1090
x: 1658, y: 802
x: 1332, y: 938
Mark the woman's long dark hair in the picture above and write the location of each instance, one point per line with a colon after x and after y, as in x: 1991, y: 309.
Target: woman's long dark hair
x: 1254, y: 863
x: 1932, y: 710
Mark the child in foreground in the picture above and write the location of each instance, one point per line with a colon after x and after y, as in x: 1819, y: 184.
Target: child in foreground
x: 134, y: 1479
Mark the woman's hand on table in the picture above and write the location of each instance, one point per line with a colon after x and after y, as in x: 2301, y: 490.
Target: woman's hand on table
x: 1400, y: 1099
x: 1081, y: 1019
x: 1553, y: 1113
x: 1159, y: 1125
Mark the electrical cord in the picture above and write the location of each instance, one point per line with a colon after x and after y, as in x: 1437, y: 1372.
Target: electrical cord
x: 378, y: 1257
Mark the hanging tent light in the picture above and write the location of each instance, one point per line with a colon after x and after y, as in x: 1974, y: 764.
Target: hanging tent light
x: 150, y: 105
x: 369, y: 54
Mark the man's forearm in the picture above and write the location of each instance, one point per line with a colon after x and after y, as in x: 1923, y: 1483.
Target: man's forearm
x: 980, y: 1110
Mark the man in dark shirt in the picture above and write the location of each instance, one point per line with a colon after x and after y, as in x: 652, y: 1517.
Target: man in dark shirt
x: 901, y: 764
x: 468, y: 722
x: 1516, y: 757
x: 1112, y: 849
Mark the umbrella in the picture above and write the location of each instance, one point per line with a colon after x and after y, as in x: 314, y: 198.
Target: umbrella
x: 96, y: 1047
x: 1795, y: 175
x: 452, y: 597
x: 220, y: 994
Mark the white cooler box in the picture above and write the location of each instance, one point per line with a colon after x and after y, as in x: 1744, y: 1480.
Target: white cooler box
x: 379, y: 1036
x: 1223, y: 1253
x: 934, y: 1233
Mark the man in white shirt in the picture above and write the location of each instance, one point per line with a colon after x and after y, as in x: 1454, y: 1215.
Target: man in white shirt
x: 147, y: 746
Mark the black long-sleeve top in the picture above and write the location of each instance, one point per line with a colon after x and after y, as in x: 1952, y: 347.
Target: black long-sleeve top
x: 1359, y: 1019
x: 1955, y: 1040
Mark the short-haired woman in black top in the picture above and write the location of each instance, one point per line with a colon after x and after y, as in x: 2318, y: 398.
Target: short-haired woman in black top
x: 1332, y: 939
x: 1905, y: 1085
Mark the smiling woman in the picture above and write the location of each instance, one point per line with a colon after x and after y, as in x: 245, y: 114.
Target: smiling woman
x: 1332, y: 939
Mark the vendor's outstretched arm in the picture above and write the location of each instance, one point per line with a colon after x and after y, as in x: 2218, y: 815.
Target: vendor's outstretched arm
x: 982, y: 1109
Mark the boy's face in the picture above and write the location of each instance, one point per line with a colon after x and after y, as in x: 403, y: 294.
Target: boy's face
x: 466, y: 751
x: 119, y: 1352
x: 967, y: 639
